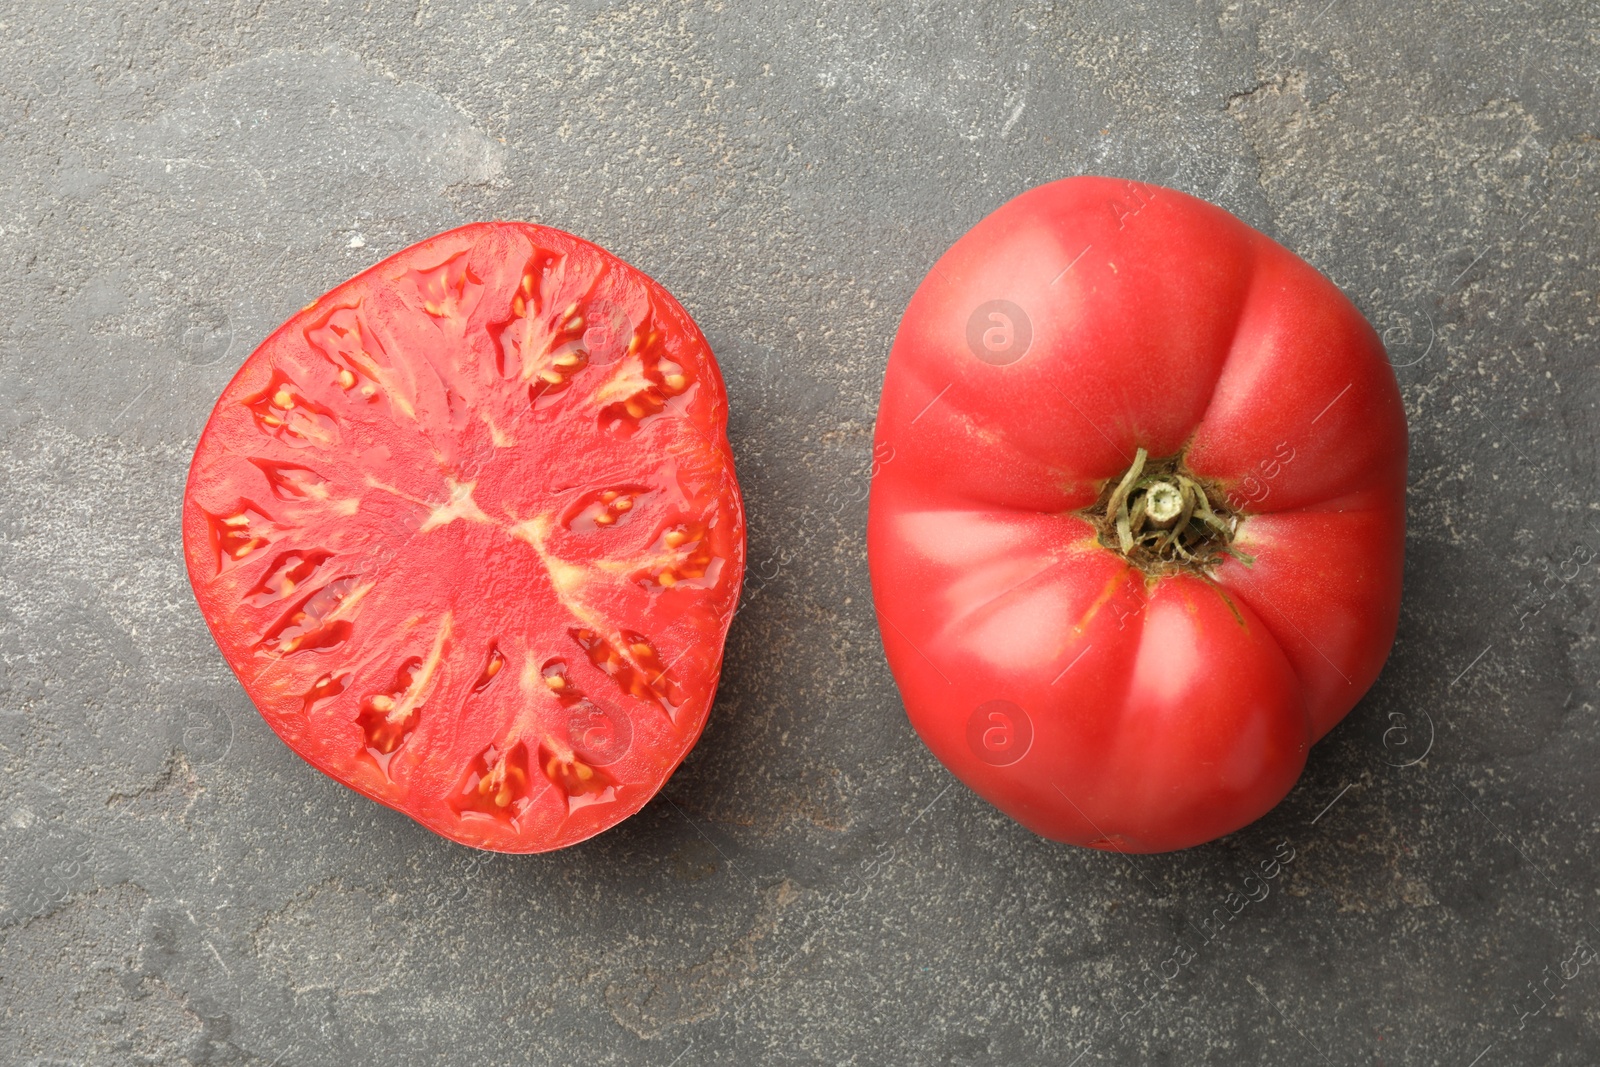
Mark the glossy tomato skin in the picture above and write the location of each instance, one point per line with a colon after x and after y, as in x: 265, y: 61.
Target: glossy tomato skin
x: 467, y: 529
x: 1093, y: 701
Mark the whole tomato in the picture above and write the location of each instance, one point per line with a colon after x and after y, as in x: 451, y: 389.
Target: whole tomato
x: 1137, y: 529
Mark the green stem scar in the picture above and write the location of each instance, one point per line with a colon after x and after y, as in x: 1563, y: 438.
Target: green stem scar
x: 1164, y: 518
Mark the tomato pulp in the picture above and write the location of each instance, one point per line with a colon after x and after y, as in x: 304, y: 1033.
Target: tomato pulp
x: 1137, y: 526
x: 467, y: 530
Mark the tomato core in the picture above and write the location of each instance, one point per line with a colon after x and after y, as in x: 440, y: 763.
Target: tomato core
x: 1165, y: 519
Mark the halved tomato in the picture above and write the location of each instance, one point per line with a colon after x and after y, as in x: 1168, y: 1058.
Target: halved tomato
x: 467, y: 529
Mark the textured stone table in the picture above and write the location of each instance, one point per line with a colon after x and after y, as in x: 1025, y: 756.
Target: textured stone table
x: 811, y: 887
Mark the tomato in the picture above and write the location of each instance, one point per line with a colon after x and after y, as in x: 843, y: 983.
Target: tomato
x: 467, y: 530
x: 1136, y: 530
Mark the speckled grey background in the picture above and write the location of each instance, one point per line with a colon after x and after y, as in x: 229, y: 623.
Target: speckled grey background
x: 811, y: 888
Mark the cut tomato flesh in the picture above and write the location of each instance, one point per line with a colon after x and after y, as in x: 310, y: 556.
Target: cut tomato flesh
x: 467, y: 530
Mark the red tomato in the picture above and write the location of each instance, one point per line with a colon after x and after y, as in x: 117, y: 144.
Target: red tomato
x: 1136, y: 531
x: 467, y: 530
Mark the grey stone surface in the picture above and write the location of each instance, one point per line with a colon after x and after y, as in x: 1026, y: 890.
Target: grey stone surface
x: 177, y: 887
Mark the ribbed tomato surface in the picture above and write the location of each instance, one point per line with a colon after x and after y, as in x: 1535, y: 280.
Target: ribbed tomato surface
x: 1137, y: 530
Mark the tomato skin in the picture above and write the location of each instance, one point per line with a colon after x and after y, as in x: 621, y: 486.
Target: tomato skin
x: 1092, y: 701
x: 467, y: 529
